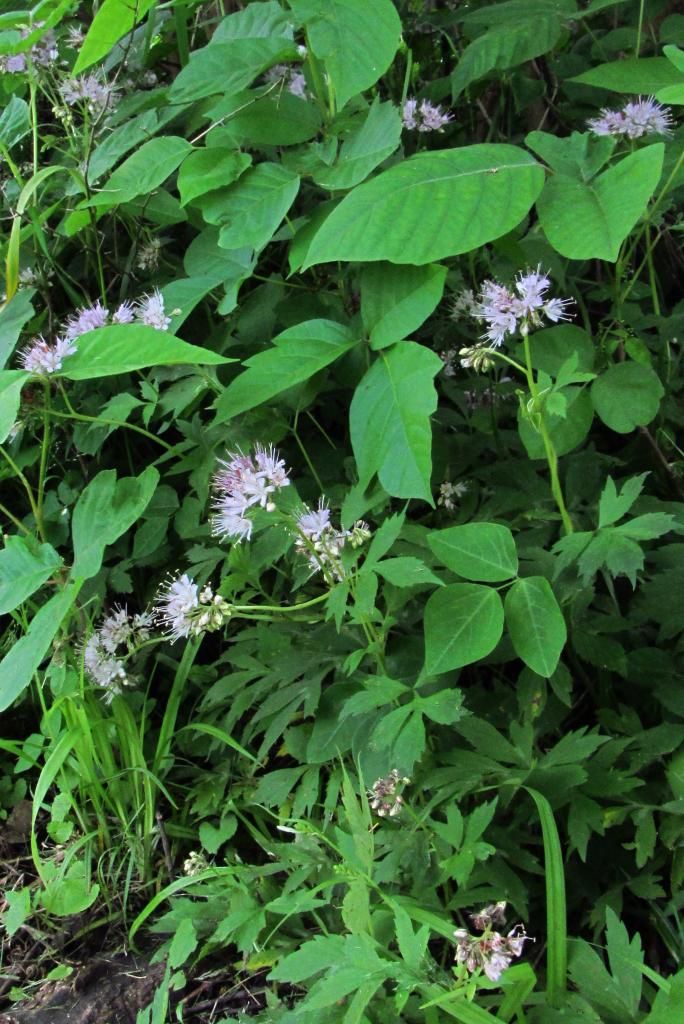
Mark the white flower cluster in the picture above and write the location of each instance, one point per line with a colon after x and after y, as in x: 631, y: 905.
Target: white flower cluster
x: 322, y: 544
x: 183, y: 610
x: 107, y: 649
x: 242, y: 483
x: 450, y: 494
x: 91, y: 92
x: 490, y: 952
x: 636, y: 119
x: 43, y: 358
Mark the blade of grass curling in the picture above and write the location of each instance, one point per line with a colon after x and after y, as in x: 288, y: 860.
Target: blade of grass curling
x: 556, y: 923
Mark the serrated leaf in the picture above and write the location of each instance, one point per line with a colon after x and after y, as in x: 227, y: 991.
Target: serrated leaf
x: 535, y: 624
x: 613, y: 506
x: 484, y: 552
x: 389, y: 420
x: 463, y: 623
x: 431, y: 206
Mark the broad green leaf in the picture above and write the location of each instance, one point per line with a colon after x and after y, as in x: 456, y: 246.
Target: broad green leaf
x: 125, y: 347
x: 11, y: 383
x: 207, y: 169
x: 406, y: 571
x: 122, y: 140
x: 355, y: 40
x: 632, y: 75
x: 627, y: 396
x: 396, y: 300
x: 552, y: 347
x: 512, y: 11
x: 463, y: 623
x: 227, y: 67
x: 535, y: 624
x: 204, y: 258
x: 366, y: 147
x: 183, y: 944
x: 297, y: 354
x: 24, y: 657
x: 25, y: 565
x: 506, y: 46
x: 143, y: 171
x: 590, y: 220
x: 477, y: 551
x: 249, y: 212
x: 389, y: 420
x: 579, y: 155
x: 566, y: 432
x: 15, y: 123
x: 13, y: 316
x: 106, y: 508
x: 18, y: 909
x: 312, y: 957
x: 113, y: 20
x: 276, y: 119
x: 256, y: 21
x: 431, y: 206
x: 613, y: 506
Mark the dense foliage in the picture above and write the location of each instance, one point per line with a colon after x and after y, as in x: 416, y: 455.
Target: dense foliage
x: 341, y: 499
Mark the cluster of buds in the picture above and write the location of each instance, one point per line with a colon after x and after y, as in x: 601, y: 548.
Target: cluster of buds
x: 183, y: 610
x: 148, y: 255
x: 321, y: 543
x: 490, y: 952
x: 194, y: 864
x: 450, y: 494
x: 243, y: 483
x: 106, y: 651
x: 385, y: 798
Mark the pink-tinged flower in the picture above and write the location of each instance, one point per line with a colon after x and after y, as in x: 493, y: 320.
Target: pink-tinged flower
x: 13, y: 64
x: 43, y: 359
x: 183, y: 610
x: 644, y: 116
x: 108, y: 648
x: 507, y: 312
x: 149, y: 310
x: 490, y: 952
x: 424, y: 116
x: 241, y: 483
x: 385, y: 796
x: 294, y: 81
x: 319, y: 541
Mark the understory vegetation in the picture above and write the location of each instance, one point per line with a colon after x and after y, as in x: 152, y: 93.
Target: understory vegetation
x: 341, y: 496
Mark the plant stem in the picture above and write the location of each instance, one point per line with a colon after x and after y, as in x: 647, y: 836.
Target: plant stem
x: 26, y: 485
x: 551, y: 457
x: 44, y: 450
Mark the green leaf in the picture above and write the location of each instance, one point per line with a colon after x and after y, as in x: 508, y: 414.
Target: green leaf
x: 406, y: 571
x: 249, y: 211
x: 106, y: 508
x: 535, y: 624
x: 183, y: 944
x: 18, y: 903
x: 477, y: 551
x: 626, y: 959
x: 627, y: 396
x: 613, y: 506
x: 276, y: 119
x: 445, y: 707
x: 15, y: 122
x: 389, y: 420
x: 11, y: 383
x: 366, y: 147
x: 227, y: 67
x: 355, y: 41
x: 207, y: 169
x: 552, y: 347
x: 590, y: 220
x: 566, y: 432
x: 24, y: 567
x: 463, y: 623
x: 632, y: 75
x: 18, y: 666
x: 113, y: 20
x: 396, y: 300
x: 506, y: 46
x: 430, y: 206
x: 256, y: 21
x: 13, y: 316
x: 312, y: 957
x: 143, y: 171
x: 297, y: 354
x: 126, y: 347
x: 579, y: 155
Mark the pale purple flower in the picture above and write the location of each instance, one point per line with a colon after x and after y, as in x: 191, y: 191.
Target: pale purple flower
x: 104, y: 670
x: 88, y: 90
x: 42, y: 358
x: 123, y: 314
x: 319, y: 541
x: 294, y: 81
x: 384, y: 797
x: 490, y: 952
x: 13, y: 64
x: 314, y: 523
x: 183, y: 610
x: 149, y: 310
x: 463, y: 304
x: 110, y: 645
x: 507, y: 312
x: 423, y: 116
x: 90, y: 318
x: 644, y: 116
x: 241, y: 483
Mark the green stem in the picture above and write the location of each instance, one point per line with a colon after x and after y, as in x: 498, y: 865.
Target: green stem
x: 73, y: 415
x: 26, y: 485
x: 173, y: 705
x: 17, y: 522
x: 44, y: 451
x: 551, y: 457
x: 279, y: 608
